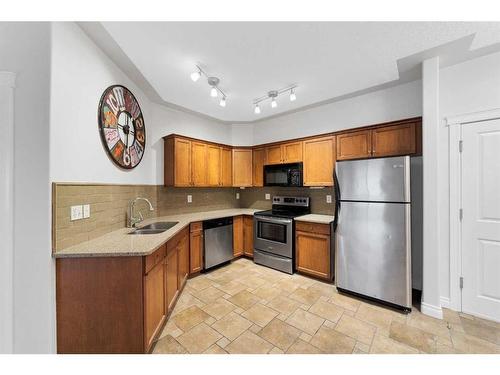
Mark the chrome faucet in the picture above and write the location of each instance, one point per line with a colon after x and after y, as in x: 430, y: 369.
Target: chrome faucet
x: 133, y: 220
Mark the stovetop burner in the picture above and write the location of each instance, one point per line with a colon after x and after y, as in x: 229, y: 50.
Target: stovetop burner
x: 287, y: 207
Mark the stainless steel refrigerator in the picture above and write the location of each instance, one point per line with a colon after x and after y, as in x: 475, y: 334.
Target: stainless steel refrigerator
x: 373, y: 227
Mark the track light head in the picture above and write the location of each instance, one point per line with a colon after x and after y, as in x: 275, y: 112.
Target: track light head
x: 195, y: 76
x: 256, y: 109
x: 293, y: 97
x: 222, y: 102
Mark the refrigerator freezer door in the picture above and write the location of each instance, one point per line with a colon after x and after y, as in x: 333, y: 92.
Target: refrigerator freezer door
x: 381, y: 180
x: 373, y: 253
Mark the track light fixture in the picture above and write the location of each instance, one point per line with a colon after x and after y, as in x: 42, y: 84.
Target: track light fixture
x: 273, y: 95
x: 213, y: 82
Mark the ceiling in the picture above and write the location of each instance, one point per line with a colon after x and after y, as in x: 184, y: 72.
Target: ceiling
x: 325, y: 59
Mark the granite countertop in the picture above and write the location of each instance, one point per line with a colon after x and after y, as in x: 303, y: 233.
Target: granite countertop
x: 120, y: 243
x: 315, y: 218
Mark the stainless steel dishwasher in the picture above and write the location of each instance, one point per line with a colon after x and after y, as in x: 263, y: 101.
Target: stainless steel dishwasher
x: 218, y: 235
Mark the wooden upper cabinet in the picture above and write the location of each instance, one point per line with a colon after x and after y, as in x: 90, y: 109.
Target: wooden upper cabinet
x: 199, y: 164
x: 354, y: 145
x: 242, y: 167
x: 214, y: 160
x: 259, y: 159
x: 394, y: 140
x: 226, y: 166
x: 273, y: 155
x: 177, y: 162
x: 319, y: 161
x: 291, y: 152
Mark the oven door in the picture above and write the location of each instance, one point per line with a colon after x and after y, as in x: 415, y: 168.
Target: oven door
x: 274, y: 235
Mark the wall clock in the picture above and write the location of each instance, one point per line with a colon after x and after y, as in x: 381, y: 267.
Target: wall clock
x: 121, y: 125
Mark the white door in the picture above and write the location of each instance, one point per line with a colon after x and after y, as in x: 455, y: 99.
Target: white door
x: 481, y: 219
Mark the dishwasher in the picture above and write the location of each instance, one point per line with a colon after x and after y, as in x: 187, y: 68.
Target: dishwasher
x: 218, y: 235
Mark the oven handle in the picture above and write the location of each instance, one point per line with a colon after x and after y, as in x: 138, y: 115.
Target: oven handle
x: 273, y: 220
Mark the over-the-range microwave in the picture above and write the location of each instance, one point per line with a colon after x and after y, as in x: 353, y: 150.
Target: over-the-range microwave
x: 283, y: 175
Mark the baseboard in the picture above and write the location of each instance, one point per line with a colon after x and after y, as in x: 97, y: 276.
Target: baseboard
x: 434, y: 311
x: 445, y: 302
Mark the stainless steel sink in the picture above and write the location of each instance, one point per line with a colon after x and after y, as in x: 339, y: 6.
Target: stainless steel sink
x: 155, y: 228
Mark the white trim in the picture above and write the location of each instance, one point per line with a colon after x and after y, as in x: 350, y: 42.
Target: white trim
x: 466, y: 118
x: 7, y: 84
x: 455, y: 201
x: 445, y: 302
x: 8, y: 79
x: 434, y: 311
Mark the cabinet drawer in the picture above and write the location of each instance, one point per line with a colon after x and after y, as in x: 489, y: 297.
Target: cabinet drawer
x: 155, y: 258
x: 195, y: 227
x: 312, y: 227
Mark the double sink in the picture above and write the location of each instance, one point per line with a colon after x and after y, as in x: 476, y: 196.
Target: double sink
x: 155, y: 228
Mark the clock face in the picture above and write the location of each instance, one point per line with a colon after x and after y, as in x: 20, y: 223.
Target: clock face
x: 121, y: 125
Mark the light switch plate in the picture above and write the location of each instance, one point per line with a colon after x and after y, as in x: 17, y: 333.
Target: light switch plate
x: 86, y: 211
x: 190, y: 198
x: 76, y: 213
x: 237, y: 195
x: 268, y: 196
x: 328, y: 198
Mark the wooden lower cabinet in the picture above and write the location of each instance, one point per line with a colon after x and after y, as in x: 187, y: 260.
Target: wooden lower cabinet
x: 248, y: 235
x: 183, y: 254
x: 171, y: 279
x: 154, y: 302
x: 313, y: 250
x: 196, y: 248
x: 238, y: 244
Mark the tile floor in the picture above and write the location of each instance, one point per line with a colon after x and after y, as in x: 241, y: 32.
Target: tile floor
x: 246, y: 308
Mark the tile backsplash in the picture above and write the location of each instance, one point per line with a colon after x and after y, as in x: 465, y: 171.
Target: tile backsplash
x: 109, y: 204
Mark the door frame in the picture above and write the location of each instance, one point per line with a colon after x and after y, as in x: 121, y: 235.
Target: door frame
x: 454, y: 124
x: 7, y: 85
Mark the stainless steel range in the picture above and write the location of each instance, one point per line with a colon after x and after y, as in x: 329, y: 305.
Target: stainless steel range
x: 274, y: 233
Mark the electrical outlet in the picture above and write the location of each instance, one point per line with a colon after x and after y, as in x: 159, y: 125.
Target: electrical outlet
x: 86, y: 211
x: 268, y: 196
x: 328, y: 198
x: 76, y: 213
x: 190, y: 198
x: 237, y: 195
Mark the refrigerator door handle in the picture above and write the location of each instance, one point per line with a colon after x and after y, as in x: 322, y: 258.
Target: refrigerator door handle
x: 336, y: 188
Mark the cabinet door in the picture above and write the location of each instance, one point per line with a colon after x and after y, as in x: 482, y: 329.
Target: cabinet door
x: 238, y: 246
x: 291, y: 152
x: 242, y: 167
x: 354, y: 145
x: 226, y: 167
x: 196, y: 252
x: 183, y: 254
x: 199, y: 164
x: 214, y: 165
x: 171, y: 279
x: 259, y: 159
x: 273, y: 155
x: 319, y: 161
x: 394, y: 140
x: 182, y: 162
x: 154, y: 302
x: 248, y: 235
x: 313, y: 254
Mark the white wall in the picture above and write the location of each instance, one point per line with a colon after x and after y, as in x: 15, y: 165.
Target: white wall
x: 468, y: 87
x: 25, y: 50
x: 390, y: 104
